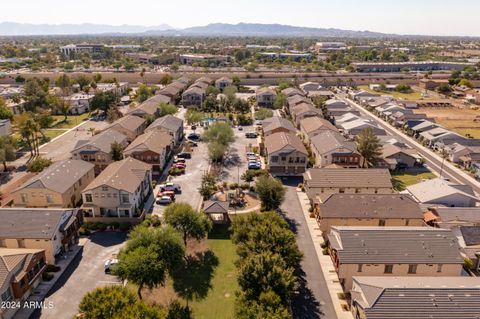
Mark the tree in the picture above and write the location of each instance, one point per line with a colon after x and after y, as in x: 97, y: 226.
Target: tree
x: 219, y: 132
x: 230, y: 92
x: 167, y: 108
x: 83, y: 81
x: 19, y: 79
x: 143, y: 93
x: 38, y: 164
x: 35, y: 93
x: 193, y: 116
x: 64, y: 108
x: 268, y: 306
x: 112, y: 114
x: 241, y: 106
x: 465, y: 82
x: 444, y: 89
x: 369, y: 146
x: 5, y: 112
x: 189, y: 222
x: 212, y: 90
x: 44, y: 120
x: 216, y: 151
x: 207, y: 186
x: 150, y: 254
x: 174, y: 67
x: 270, y: 191
x: 97, y: 77
x: 166, y: 79
x: 236, y: 81
x: 103, y: 100
x: 116, y: 151
x: 65, y: 83
x: 263, y: 113
x: 280, y: 101
x: 8, y: 148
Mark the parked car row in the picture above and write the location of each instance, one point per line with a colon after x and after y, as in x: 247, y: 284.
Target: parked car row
x: 167, y: 192
x: 253, y: 161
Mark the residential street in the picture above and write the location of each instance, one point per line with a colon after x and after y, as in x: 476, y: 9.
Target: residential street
x: 85, y: 273
x: 432, y: 159
x: 313, y: 300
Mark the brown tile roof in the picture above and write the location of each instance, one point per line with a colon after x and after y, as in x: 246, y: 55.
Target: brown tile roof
x: 277, y: 141
x: 275, y: 122
x: 129, y: 122
x: 390, y: 149
x: 126, y: 175
x: 370, y: 206
x: 303, y: 108
x: 11, y: 259
x: 314, y: 123
x: 150, y: 106
x: 169, y: 122
x: 263, y: 90
x: 102, y: 141
x: 394, y: 245
x: 59, y: 176
x: 352, y: 178
x: 154, y: 140
x: 330, y: 140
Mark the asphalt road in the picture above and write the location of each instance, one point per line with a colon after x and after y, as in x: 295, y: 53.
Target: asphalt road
x: 85, y: 273
x: 313, y: 299
x: 433, y: 161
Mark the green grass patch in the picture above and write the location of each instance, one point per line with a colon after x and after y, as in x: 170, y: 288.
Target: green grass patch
x: 72, y: 120
x: 220, y: 300
x: 402, y: 180
x: 415, y: 95
x: 51, y: 134
x: 468, y: 132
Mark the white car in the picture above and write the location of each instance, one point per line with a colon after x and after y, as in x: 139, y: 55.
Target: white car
x: 164, y: 200
x: 109, y: 263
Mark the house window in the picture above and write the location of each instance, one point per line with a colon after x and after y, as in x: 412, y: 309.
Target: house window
x: 49, y: 198
x: 381, y: 222
x: 302, y: 160
x: 105, y: 188
x: 439, y: 268
x: 290, y: 160
x: 412, y: 269
x: 88, y: 198
x: 388, y: 269
x: 407, y: 221
x: 124, y: 198
x: 357, y: 190
x: 274, y: 159
x: 24, y: 198
x: 7, y: 295
x: 359, y: 267
x: 284, y: 158
x: 21, y: 243
x: 3, y: 243
x: 341, y: 190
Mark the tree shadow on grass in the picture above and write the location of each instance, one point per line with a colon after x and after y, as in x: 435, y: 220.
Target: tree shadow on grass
x: 193, y: 279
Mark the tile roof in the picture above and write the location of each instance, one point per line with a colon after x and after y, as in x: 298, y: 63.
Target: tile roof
x: 328, y: 141
x: 211, y: 206
x: 280, y: 140
x: 437, y: 188
x: 370, y: 206
x: 394, y: 245
x: 59, y: 176
x: 314, y: 123
x: 102, y: 141
x: 418, y: 297
x: 11, y: 259
x: 263, y: 90
x: 349, y: 178
x: 151, y: 105
x: 36, y: 223
x: 126, y: 175
x: 169, y: 122
x: 154, y: 140
x: 128, y: 122
x: 275, y: 122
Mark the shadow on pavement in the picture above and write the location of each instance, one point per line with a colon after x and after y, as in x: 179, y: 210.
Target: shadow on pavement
x: 304, y: 304
x: 107, y: 238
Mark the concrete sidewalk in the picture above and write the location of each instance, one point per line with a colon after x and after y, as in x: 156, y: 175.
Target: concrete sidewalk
x: 42, y: 290
x: 329, y: 273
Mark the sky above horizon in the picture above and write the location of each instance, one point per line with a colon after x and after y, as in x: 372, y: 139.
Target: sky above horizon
x: 429, y: 17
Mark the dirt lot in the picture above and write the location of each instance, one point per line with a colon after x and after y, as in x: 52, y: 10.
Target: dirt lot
x: 463, y: 121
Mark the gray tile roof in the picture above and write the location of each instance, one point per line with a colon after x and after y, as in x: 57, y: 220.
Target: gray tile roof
x: 129, y: 122
x: 59, y: 176
x: 154, y: 140
x: 275, y: 122
x: 352, y: 178
x: 394, y: 245
x: 102, y: 141
x: 370, y: 206
x: 329, y: 140
x: 169, y: 122
x: 435, y: 189
x: 277, y: 141
x: 211, y: 206
x: 36, y: 223
x: 418, y: 297
x: 151, y: 105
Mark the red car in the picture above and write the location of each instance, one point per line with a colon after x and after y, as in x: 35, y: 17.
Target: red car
x: 170, y: 194
x: 180, y: 165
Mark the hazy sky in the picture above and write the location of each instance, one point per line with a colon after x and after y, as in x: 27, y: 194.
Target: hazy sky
x: 433, y: 17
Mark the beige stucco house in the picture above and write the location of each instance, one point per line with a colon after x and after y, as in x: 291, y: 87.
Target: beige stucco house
x: 131, y: 126
x: 286, y: 154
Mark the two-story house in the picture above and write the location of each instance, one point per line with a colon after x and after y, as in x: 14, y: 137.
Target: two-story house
x: 330, y: 147
x: 193, y: 96
x: 59, y: 185
x: 154, y: 148
x: 170, y: 124
x: 150, y: 108
x: 96, y: 150
x: 222, y: 83
x: 131, y: 126
x: 315, y: 125
x: 286, y: 155
x: 320, y: 183
x: 265, y: 97
x: 277, y: 124
x: 51, y: 229
x: 368, y: 210
x: 120, y: 191
x: 393, y: 251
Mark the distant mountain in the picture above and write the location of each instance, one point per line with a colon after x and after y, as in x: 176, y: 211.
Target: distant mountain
x: 256, y: 29
x: 14, y: 28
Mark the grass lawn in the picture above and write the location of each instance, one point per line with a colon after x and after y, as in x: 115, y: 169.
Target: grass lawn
x: 415, y: 95
x: 468, y: 132
x: 53, y: 133
x: 403, y: 179
x: 72, y: 120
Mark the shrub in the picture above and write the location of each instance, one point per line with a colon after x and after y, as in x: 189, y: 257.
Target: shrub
x: 46, y: 276
x: 341, y: 295
x: 114, y: 225
x: 125, y: 226
x: 233, y: 186
x: 325, y: 251
x: 244, y: 186
x: 38, y: 164
x: 252, y: 188
x: 83, y: 231
x: 467, y: 263
x: 224, y: 185
x: 52, y: 268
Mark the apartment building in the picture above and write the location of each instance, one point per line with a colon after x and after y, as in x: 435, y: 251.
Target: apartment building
x: 131, y: 126
x: 286, y: 154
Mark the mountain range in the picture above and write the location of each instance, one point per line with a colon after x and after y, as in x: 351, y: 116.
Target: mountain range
x: 214, y: 29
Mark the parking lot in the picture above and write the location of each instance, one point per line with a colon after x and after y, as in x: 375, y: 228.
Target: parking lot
x: 85, y: 273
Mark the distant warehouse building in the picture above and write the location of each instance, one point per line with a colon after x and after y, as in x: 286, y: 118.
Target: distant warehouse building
x: 412, y: 66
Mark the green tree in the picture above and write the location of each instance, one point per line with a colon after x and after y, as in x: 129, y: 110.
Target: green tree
x: 8, y: 149
x: 193, y: 116
x: 207, y: 186
x: 143, y: 93
x: 116, y: 151
x: 444, y: 89
x: 103, y: 101
x: 263, y: 113
x: 219, y: 132
x: 5, y: 112
x: 241, y: 106
x: 65, y: 83
x: 216, y: 151
x: 35, y: 93
x: 83, y: 81
x: 38, y: 164
x: 174, y: 67
x: 465, y: 82
x: 270, y: 191
x: 280, y: 101
x: 166, y: 79
x: 268, y: 306
x: 212, y: 90
x: 230, y: 92
x: 369, y: 146
x: 167, y: 108
x: 97, y: 77
x: 189, y: 222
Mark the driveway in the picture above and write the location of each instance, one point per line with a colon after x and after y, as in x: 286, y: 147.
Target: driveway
x: 85, y: 273
x: 313, y: 299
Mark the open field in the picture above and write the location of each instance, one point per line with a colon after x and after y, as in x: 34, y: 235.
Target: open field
x: 415, y: 95
x: 462, y: 121
x: 403, y: 179
x: 72, y: 120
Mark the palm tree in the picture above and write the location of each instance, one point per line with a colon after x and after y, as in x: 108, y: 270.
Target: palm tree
x: 64, y: 108
x: 26, y: 133
x: 369, y: 146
